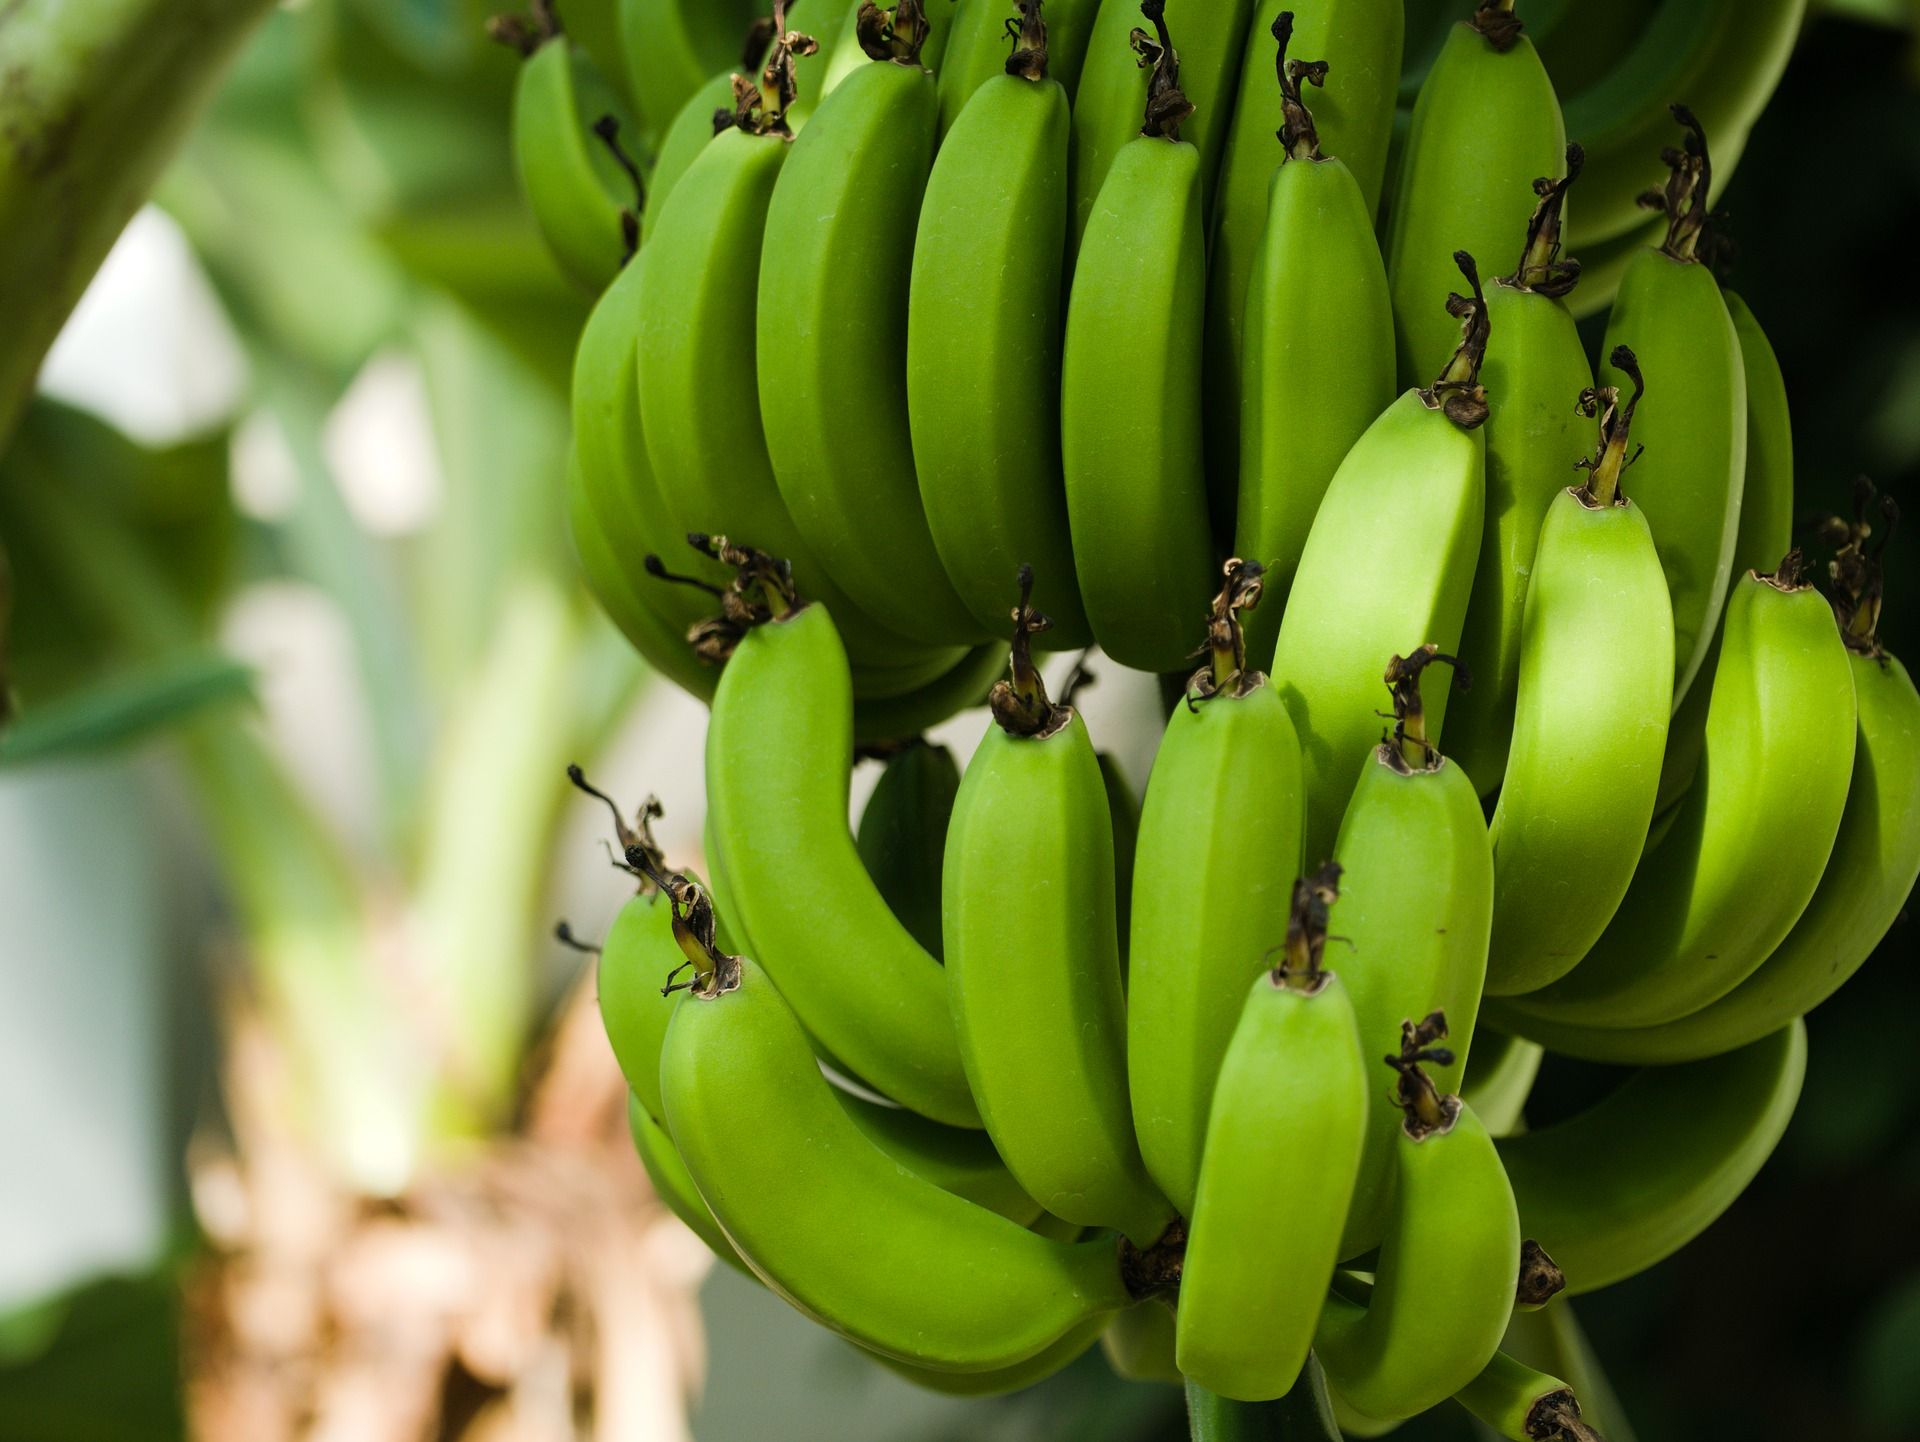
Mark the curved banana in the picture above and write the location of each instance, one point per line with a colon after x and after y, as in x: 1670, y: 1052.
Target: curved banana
x: 1416, y: 900
x: 1033, y: 966
x: 957, y: 1161
x: 1283, y: 1147
x: 1131, y: 387
x: 1387, y: 566
x: 1523, y: 1405
x: 672, y: 46
x: 1694, y: 424
x: 1750, y: 842
x: 1497, y: 1088
x: 931, y: 1279
x: 1630, y: 1181
x: 1724, y: 58
x: 1017, y: 1378
x: 692, y: 128
x: 1125, y: 809
x: 1139, y: 1343
x: 831, y: 345
x: 584, y: 205
x: 1444, y: 1284
x: 1359, y: 43
x: 1590, y: 724
x: 1219, y: 834
x: 978, y: 42
x: 983, y: 344
x: 1302, y: 272
x: 1106, y: 108
x: 779, y: 763
x: 1486, y: 124
x: 1535, y: 439
x: 903, y: 835
x: 883, y: 722
x: 636, y: 962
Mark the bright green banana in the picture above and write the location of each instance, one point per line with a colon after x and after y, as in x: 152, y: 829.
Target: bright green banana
x: 1032, y: 953
x: 1486, y: 124
x: 961, y: 1162
x: 832, y: 354
x: 672, y: 46
x: 1444, y: 1284
x: 983, y: 344
x: 1524, y: 1405
x: 1300, y: 269
x: 692, y: 128
x: 1694, y: 422
x: 697, y: 387
x: 1535, y: 439
x: 979, y: 41
x: 1504, y: 1070
x: 1416, y: 900
x: 1313, y: 233
x: 1131, y: 387
x: 1749, y: 844
x: 584, y: 205
x: 1106, y: 108
x: 849, y: 54
x: 1283, y: 1147
x: 1017, y: 1378
x: 903, y: 835
x: 636, y: 961
x: 779, y: 763
x: 1630, y: 1181
x: 1388, y: 566
x: 833, y: 1223
x: 1590, y: 725
x: 1722, y: 57
x: 1219, y: 836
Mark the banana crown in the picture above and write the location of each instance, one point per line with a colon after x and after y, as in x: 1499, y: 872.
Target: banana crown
x: 1306, y: 944
x: 761, y: 590
x: 1226, y: 672
x: 1457, y: 393
x: 1858, y: 575
x: 1407, y: 748
x: 1297, y: 132
x: 1685, y: 199
x: 1541, y: 268
x: 896, y: 34
x: 1167, y: 103
x: 1428, y: 1113
x: 760, y: 103
x: 1607, y: 464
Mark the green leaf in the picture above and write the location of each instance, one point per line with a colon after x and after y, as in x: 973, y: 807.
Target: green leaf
x: 125, y: 709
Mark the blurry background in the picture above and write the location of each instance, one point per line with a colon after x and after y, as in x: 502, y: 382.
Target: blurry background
x: 280, y: 1031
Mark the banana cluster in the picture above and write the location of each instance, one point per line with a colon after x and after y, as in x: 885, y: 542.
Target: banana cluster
x: 936, y: 309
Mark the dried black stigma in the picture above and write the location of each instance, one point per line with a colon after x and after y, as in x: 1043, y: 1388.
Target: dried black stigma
x: 525, y: 33
x: 762, y: 590
x: 1685, y: 198
x: 1407, y: 749
x: 1606, y: 465
x: 1541, y: 268
x: 1857, y: 574
x: 1458, y: 394
x: 1226, y: 672
x: 1308, y: 918
x: 1541, y: 1279
x: 1427, y: 1111
x: 1297, y: 133
x: 760, y: 104
x: 897, y: 34
x: 1790, y: 574
x: 1496, y: 21
x: 642, y: 855
x: 563, y: 933
x: 1167, y: 104
x: 1028, y: 31
x: 1019, y: 703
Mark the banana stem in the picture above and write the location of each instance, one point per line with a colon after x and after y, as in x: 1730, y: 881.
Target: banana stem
x: 1305, y: 1414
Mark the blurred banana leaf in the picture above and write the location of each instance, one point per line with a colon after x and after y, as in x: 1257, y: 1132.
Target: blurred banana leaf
x: 126, y: 708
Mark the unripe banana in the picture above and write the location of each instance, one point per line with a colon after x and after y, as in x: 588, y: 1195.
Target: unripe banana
x: 1387, y: 566
x: 1504, y: 1070
x: 957, y: 1161
x: 584, y: 205
x: 1416, y: 900
x: 672, y: 46
x: 1033, y: 968
x: 1486, y: 124
x: 831, y: 349
x: 1694, y: 424
x: 1535, y: 439
x: 1130, y: 396
x: 1444, y: 1284
x: 1219, y: 835
x: 1523, y: 1405
x: 1317, y: 357
x: 834, y: 1224
x: 1283, y: 1147
x: 903, y: 835
x: 980, y: 32
x: 1590, y: 727
x: 1106, y: 110
x: 1139, y: 1343
x: 983, y: 344
x: 779, y: 763
x: 1125, y: 809
x: 1749, y: 844
x: 1309, y: 1412
x: 881, y: 722
x: 1627, y: 1183
x: 692, y: 128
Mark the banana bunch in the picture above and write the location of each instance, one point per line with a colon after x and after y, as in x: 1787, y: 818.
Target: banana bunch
x: 932, y: 337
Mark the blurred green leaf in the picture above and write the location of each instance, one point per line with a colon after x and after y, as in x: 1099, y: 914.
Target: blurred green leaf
x: 109, y: 1372
x: 125, y: 708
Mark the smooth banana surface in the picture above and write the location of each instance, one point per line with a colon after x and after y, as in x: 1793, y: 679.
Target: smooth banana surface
x: 582, y: 203
x: 902, y: 835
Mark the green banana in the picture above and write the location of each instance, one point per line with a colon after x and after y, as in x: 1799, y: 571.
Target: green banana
x: 696, y: 323
x: 978, y: 43
x: 1300, y: 270
x: 957, y: 1161
x: 1131, y: 388
x: 1535, y: 360
x: 1694, y: 426
x: 1627, y: 1183
x: 585, y: 206
x: 1444, y: 1284
x: 692, y: 128
x: 1106, y: 109
x: 1219, y: 834
x: 983, y: 343
x: 831, y: 357
x: 1387, y: 566
x: 1749, y: 844
x: 672, y: 46
x: 1524, y: 1405
x: 1308, y: 1413
x: 1582, y: 44
x: 779, y: 763
x: 1868, y: 879
x: 903, y: 835
x: 1590, y: 725
x: 1017, y: 1378
x: 1416, y: 901
x: 850, y: 55
x: 1124, y: 807
x: 1502, y: 1078
x: 1259, y: 235
x: 1033, y: 967
x: 673, y: 1185
x: 1284, y: 1138
x: 932, y: 1280
x: 1139, y: 1343
x: 1486, y: 124
x: 882, y: 722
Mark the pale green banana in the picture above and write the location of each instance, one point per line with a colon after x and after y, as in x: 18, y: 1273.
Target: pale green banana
x: 692, y: 128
